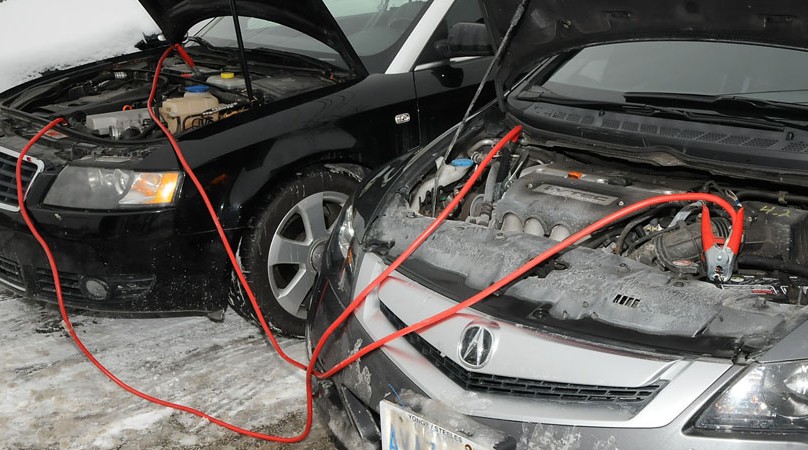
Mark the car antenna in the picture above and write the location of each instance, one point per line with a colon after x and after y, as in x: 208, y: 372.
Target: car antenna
x: 517, y: 16
x: 241, y: 55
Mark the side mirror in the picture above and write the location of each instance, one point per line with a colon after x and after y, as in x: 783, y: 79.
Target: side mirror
x: 465, y: 39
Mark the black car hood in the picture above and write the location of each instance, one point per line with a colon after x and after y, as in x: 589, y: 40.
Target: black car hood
x: 308, y: 16
x: 553, y: 26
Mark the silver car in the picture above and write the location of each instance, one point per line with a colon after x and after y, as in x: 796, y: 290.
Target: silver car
x: 678, y: 128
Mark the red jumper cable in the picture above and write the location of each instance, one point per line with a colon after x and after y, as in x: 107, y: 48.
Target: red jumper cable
x: 737, y: 219
x: 720, y: 254
x: 427, y: 322
x: 309, y: 369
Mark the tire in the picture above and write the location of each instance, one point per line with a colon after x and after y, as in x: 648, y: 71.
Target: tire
x: 280, y: 253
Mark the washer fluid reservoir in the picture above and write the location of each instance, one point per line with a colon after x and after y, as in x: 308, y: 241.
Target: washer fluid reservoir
x: 187, y: 111
x: 227, y: 80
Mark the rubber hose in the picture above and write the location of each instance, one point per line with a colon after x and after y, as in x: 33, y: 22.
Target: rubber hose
x: 761, y: 262
x: 779, y: 197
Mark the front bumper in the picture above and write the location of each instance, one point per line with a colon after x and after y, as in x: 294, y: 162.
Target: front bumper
x: 138, y: 258
x: 344, y: 399
x: 359, y: 388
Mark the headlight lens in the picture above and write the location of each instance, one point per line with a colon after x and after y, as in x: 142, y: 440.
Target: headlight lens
x: 767, y: 397
x: 345, y: 250
x: 104, y: 189
x: 346, y: 233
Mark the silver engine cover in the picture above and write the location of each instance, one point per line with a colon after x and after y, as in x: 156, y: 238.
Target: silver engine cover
x: 563, y: 204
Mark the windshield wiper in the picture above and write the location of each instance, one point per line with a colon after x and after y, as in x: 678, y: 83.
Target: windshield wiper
x: 307, y: 60
x: 205, y: 47
x: 231, y: 52
x: 724, y: 104
x: 642, y: 108
x: 203, y: 43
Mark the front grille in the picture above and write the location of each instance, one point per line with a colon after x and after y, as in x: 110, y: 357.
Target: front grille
x: 10, y: 273
x: 8, y: 183
x: 538, y: 389
x: 132, y: 288
x: 121, y: 289
x: 69, y: 281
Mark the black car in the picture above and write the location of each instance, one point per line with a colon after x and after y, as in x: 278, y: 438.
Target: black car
x: 279, y: 130
x: 679, y: 322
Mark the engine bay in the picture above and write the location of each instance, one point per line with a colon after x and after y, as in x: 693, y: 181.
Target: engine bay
x: 554, y: 199
x: 111, y: 103
x: 647, y: 274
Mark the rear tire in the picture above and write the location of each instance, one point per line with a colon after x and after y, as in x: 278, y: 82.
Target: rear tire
x: 280, y: 253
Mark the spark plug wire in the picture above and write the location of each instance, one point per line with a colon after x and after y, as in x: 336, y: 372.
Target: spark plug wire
x: 511, y: 136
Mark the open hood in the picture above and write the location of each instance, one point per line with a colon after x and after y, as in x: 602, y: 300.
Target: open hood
x: 553, y: 26
x: 308, y: 16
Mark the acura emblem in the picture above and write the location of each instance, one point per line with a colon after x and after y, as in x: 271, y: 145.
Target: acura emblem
x: 476, y: 345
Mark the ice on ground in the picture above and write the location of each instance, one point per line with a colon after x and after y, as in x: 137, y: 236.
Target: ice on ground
x: 52, y: 397
x: 39, y: 35
x: 142, y: 421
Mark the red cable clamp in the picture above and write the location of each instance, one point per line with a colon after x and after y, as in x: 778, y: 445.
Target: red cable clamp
x: 720, y: 254
x: 185, y: 56
x: 188, y: 60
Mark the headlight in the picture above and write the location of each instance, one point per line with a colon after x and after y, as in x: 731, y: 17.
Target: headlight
x: 346, y: 238
x: 346, y: 233
x: 768, y: 397
x: 344, y: 249
x: 99, y: 188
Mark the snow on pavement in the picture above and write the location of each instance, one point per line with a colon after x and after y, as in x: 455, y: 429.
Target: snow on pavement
x: 52, y: 397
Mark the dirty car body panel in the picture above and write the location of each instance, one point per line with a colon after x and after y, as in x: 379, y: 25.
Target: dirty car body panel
x: 626, y: 339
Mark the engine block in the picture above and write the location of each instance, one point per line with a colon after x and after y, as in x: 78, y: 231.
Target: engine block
x: 550, y: 202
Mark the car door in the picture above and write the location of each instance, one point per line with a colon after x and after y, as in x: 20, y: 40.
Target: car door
x: 446, y: 86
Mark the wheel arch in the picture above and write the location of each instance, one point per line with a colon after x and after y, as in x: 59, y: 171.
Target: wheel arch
x: 346, y: 162
x: 275, y: 211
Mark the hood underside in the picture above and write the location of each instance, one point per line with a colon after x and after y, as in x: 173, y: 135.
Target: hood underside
x: 308, y: 16
x: 552, y: 26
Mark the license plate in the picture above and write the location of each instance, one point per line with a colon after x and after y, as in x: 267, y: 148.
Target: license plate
x: 405, y: 430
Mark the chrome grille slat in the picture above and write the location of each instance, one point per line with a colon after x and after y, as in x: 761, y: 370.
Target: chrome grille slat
x: 31, y: 167
x: 10, y: 273
x: 128, y: 288
x: 69, y: 282
x: 538, y: 389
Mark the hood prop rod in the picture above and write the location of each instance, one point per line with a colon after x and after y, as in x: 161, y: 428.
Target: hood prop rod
x: 506, y: 39
x: 242, y: 57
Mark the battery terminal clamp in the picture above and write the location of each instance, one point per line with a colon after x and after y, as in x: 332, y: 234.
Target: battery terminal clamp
x: 720, y: 254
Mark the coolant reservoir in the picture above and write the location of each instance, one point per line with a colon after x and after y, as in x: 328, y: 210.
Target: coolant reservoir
x: 187, y: 111
x: 227, y: 80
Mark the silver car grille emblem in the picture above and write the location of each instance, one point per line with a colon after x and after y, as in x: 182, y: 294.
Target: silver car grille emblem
x: 476, y: 346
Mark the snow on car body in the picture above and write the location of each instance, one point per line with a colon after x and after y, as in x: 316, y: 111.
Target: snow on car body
x: 633, y: 337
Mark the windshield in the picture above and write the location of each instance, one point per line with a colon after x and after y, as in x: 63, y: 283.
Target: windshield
x: 605, y: 72
x: 375, y: 28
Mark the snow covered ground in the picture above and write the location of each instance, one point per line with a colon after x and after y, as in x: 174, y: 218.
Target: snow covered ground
x: 50, y: 396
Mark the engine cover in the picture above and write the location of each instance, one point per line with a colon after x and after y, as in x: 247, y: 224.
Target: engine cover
x: 564, y: 205
x: 115, y: 123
